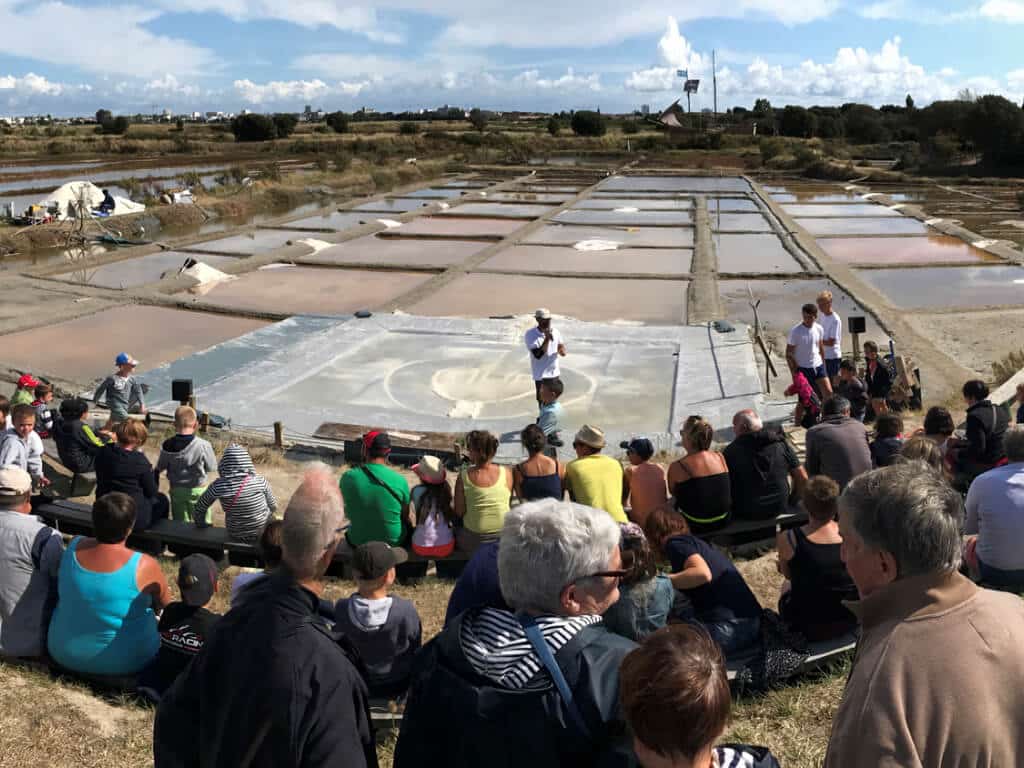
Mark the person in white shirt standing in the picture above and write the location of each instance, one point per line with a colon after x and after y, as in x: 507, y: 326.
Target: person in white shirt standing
x: 545, y: 346
x: 832, y: 327
x: 805, y: 351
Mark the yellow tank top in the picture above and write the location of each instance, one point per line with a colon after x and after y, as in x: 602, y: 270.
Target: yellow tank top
x: 486, y: 507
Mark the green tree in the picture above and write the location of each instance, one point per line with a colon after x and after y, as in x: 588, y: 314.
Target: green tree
x: 117, y: 126
x: 478, y: 119
x: 996, y: 126
x: 408, y: 128
x: 253, y: 128
x: 103, y: 116
x: 588, y: 123
x: 910, y: 103
x: 338, y: 121
x: 797, y: 122
x: 284, y: 125
x: 630, y: 126
x: 864, y: 124
x: 554, y: 126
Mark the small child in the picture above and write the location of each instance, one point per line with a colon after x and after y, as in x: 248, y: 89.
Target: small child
x: 21, y: 447
x: 385, y: 629
x: 244, y: 496
x: 853, y: 388
x: 888, y: 440
x: 675, y: 697
x: 187, y: 458
x: 432, y: 504
x: 269, y: 550
x: 808, y: 406
x: 25, y: 391
x: 44, y: 416
x: 551, y: 410
x: 77, y: 444
x: 184, y: 626
x: 122, y: 390
x: 643, y: 482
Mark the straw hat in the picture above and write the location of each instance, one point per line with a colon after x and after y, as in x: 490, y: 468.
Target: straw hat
x: 430, y: 470
x: 591, y: 436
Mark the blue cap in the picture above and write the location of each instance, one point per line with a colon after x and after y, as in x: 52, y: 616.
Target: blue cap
x: 641, y: 446
x: 125, y: 359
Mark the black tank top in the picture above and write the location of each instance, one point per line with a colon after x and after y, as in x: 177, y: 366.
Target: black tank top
x: 541, y: 486
x: 706, y: 502
x: 820, y: 584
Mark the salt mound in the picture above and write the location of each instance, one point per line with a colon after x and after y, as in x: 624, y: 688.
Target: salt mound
x: 597, y: 245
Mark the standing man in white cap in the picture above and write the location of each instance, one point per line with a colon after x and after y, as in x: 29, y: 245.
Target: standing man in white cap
x: 545, y: 346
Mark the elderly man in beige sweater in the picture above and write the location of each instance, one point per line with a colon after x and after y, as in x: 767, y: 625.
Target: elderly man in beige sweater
x: 938, y: 679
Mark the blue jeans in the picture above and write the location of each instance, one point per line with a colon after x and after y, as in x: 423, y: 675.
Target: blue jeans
x: 733, y: 635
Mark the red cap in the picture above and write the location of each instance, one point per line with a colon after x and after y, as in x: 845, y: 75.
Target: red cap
x: 27, y: 381
x: 376, y: 438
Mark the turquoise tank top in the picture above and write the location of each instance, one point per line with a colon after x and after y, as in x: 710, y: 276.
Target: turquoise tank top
x: 103, y: 624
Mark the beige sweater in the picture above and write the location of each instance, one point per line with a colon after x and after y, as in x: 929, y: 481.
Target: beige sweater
x: 938, y: 680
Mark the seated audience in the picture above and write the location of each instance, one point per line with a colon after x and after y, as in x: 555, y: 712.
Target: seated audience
x: 593, y: 479
x: 995, y: 519
x: 385, y: 629
x: 477, y: 586
x: 888, y: 439
x: 700, y: 481
x: 810, y: 559
x: 939, y: 427
x: 108, y: 596
x: 77, y: 443
x: 184, y: 626
x: 21, y: 446
x: 483, y: 493
x: 30, y: 555
x: 762, y: 466
x: 272, y: 687
x: 124, y: 468
x: 645, y: 596
x: 986, y: 424
x: 643, y: 481
x: 499, y: 673
x: 838, y: 447
x: 676, y: 699
x: 244, y: 496
x: 920, y: 448
x: 432, y: 509
x: 269, y: 550
x: 878, y: 379
x: 853, y: 388
x: 187, y: 458
x: 939, y: 674
x: 376, y: 496
x: 722, y: 602
x: 540, y: 476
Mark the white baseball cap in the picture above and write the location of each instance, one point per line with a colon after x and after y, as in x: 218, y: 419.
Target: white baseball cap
x: 14, y: 481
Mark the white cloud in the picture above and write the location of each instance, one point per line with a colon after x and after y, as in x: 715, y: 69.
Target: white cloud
x: 168, y: 85
x: 349, y: 65
x: 1015, y: 79
x: 1010, y: 11
x: 292, y: 92
x: 674, y: 53
x: 31, y: 85
x: 569, y: 81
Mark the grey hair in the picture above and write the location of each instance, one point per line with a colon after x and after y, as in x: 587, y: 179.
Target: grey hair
x: 747, y: 421
x: 911, y: 512
x: 548, y: 544
x: 835, y: 406
x: 1013, y: 444
x: 311, y: 520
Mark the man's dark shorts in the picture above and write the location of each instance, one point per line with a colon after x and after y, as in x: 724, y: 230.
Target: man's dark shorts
x: 832, y: 367
x: 813, y: 374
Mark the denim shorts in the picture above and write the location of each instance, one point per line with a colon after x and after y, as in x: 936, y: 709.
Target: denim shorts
x: 813, y: 374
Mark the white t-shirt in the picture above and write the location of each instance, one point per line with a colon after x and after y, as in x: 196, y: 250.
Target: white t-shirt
x: 832, y: 327
x: 806, y: 341
x: 546, y: 367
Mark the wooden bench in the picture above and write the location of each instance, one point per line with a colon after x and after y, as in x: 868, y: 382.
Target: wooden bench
x: 740, y: 532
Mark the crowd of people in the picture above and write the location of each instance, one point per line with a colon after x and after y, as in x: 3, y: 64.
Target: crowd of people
x: 593, y: 621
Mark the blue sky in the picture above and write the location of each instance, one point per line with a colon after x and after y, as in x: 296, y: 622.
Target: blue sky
x: 74, y: 56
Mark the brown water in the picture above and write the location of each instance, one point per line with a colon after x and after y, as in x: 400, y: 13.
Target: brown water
x: 752, y: 254
x: 311, y: 290
x: 455, y: 227
x: 635, y: 237
x: 660, y: 302
x: 401, y: 251
x: 739, y: 222
x: 933, y: 249
x: 930, y: 287
x: 557, y: 259
x: 840, y: 211
x: 625, y: 219
x: 139, y: 271
x: 84, y: 349
x: 864, y: 226
x: 500, y: 210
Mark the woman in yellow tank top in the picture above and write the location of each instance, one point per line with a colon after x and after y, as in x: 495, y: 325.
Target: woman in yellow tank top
x: 482, y: 493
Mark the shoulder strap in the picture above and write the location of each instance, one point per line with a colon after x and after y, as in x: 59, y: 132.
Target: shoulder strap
x: 377, y: 481
x: 536, y: 638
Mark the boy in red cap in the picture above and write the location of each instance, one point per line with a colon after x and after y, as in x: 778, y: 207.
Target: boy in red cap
x: 25, y: 392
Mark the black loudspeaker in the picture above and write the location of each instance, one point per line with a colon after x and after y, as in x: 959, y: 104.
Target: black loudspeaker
x: 857, y: 324
x: 181, y: 390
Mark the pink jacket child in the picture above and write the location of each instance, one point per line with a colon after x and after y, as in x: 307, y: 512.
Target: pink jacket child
x: 808, y: 407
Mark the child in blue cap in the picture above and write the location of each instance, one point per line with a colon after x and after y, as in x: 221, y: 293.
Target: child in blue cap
x: 122, y: 390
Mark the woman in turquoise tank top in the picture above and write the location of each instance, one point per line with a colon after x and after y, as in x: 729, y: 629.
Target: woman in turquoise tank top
x: 107, y: 596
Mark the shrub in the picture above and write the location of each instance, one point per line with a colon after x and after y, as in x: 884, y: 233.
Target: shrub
x: 1004, y: 369
x: 322, y: 163
x: 253, y: 128
x: 1020, y: 198
x: 478, y: 119
x: 284, y: 125
x: 771, y: 147
x: 191, y: 179
x: 342, y: 160
x: 338, y: 122
x: 117, y: 126
x: 554, y: 126
x: 472, y: 139
x: 588, y: 123
x: 272, y: 171
x: 179, y: 124
x: 408, y: 129
x: 630, y: 127
x: 321, y: 129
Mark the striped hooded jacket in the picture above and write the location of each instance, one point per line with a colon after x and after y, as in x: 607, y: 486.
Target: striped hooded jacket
x: 245, y: 497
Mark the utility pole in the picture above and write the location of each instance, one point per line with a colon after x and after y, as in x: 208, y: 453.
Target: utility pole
x: 714, y: 80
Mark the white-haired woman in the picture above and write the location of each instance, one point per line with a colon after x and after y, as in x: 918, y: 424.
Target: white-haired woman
x: 538, y: 680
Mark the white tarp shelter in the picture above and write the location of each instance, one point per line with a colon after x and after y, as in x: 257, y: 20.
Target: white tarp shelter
x: 73, y: 192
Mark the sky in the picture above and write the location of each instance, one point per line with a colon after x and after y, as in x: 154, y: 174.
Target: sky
x: 72, y: 57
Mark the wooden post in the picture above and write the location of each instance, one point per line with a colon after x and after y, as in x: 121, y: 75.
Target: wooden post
x: 278, y: 435
x: 856, y: 348
x: 192, y: 401
x: 204, y: 422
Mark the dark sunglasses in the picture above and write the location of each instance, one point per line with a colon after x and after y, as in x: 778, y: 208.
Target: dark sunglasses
x: 618, y: 574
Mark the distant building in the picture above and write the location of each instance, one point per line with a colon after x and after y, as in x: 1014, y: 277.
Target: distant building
x: 645, y: 109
